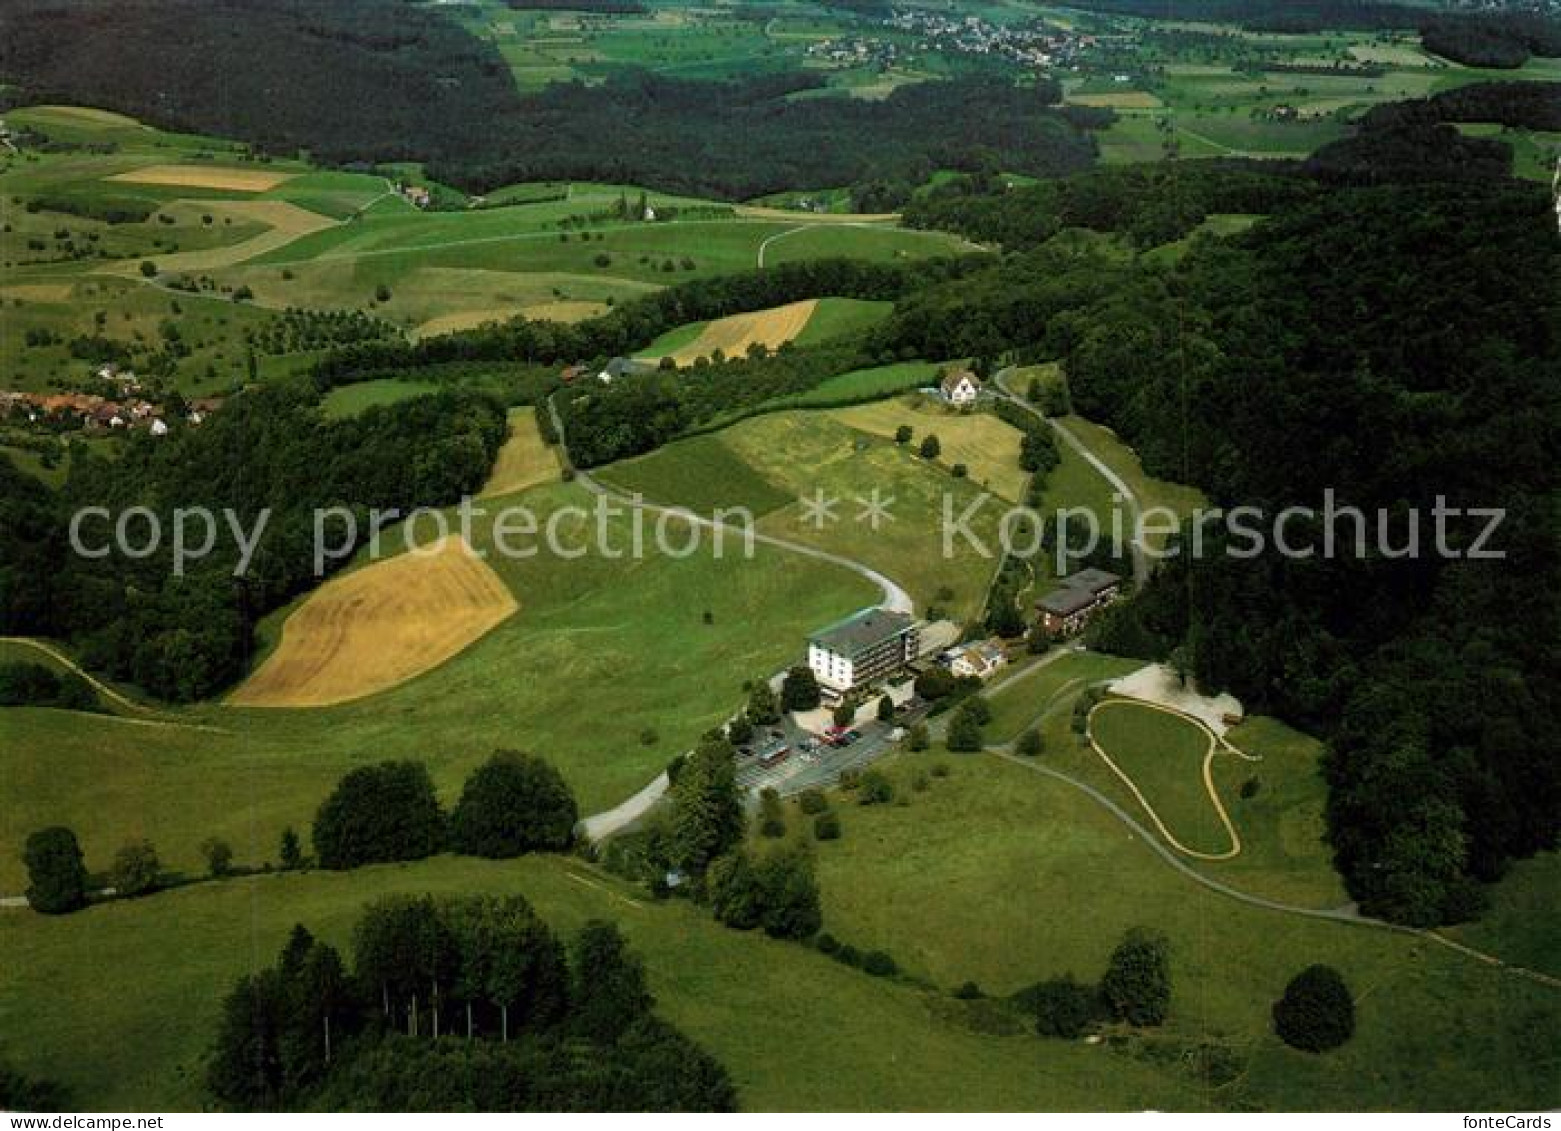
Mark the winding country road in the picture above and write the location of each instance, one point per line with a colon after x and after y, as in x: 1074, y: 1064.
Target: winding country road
x: 598, y: 826
x: 1141, y: 565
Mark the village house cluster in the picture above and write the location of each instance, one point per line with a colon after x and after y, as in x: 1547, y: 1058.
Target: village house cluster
x: 1032, y: 44
x: 126, y: 410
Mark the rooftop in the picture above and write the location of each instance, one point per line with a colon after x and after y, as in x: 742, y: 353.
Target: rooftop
x: 858, y: 633
x: 1092, y: 580
x: 1066, y: 601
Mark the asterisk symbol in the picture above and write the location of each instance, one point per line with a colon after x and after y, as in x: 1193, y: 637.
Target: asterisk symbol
x: 875, y: 508
x: 819, y: 509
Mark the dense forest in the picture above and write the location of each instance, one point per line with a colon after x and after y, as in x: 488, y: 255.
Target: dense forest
x: 745, y: 138
x: 185, y: 637
x: 1397, y: 343
x: 1150, y: 204
x: 344, y: 79
x: 1270, y: 15
x: 1526, y: 105
x: 1492, y: 39
x: 408, y: 82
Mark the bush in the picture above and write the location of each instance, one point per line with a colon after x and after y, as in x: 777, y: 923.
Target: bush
x: 219, y: 857
x: 800, y: 690
x: 1137, y: 984
x: 875, y: 789
x: 1063, y: 1007
x: 1031, y: 744
x: 920, y: 738
x: 1317, y: 1012
x: 33, y: 685
x: 513, y: 803
x: 148, y: 269
x: 940, y: 769
x: 1250, y: 788
x: 969, y: 991
x: 778, y: 893
x: 56, y: 875
x: 379, y: 813
x: 964, y: 733
x: 827, y: 944
x: 812, y: 801
x: 135, y: 869
x: 879, y: 964
x: 931, y: 447
x: 826, y: 826
x: 292, y: 851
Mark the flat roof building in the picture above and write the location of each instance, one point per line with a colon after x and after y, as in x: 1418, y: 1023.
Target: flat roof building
x: 862, y: 648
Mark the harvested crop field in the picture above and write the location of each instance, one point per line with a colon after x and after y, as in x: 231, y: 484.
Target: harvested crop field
x: 38, y: 292
x: 734, y: 334
x: 285, y: 222
x: 380, y: 626
x: 227, y: 179
x: 524, y: 461
x: 1119, y: 100
x: 987, y: 446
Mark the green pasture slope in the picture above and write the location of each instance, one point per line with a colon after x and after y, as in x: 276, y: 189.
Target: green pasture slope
x: 1001, y: 876
x: 609, y: 669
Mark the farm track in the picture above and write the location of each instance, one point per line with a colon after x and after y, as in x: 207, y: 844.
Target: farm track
x: 1348, y: 916
x: 138, y: 714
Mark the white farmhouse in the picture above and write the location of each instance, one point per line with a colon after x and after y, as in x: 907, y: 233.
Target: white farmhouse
x: 960, y: 387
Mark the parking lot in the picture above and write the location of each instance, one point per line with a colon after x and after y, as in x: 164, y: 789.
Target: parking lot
x: 809, y: 761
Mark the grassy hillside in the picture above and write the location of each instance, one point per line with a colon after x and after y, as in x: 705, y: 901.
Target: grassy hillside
x: 607, y: 670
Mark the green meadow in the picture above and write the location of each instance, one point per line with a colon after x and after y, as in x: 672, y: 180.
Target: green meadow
x: 610, y: 668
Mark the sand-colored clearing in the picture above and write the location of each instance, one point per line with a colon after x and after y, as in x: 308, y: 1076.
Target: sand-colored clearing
x: 565, y: 310
x: 38, y: 292
x: 734, y: 334
x: 987, y: 446
x: 380, y: 626
x: 525, y: 460
x: 465, y: 320
x: 225, y: 178
x: 285, y: 222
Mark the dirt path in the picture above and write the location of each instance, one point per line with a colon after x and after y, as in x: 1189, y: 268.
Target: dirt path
x: 139, y: 714
x: 1215, y: 744
x: 1141, y: 567
x: 1348, y: 916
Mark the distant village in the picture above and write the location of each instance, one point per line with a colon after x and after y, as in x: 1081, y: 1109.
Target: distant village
x: 1032, y: 44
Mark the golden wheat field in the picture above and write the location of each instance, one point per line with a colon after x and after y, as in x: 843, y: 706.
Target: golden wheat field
x: 380, y: 626
x: 734, y: 334
x: 204, y: 176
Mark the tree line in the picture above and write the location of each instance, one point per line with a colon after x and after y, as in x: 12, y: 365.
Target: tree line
x: 184, y: 637
x: 457, y: 1004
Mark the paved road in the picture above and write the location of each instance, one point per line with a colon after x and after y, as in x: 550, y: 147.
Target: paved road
x: 895, y: 599
x: 1141, y: 566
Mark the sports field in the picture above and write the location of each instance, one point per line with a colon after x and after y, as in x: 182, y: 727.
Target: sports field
x: 380, y: 626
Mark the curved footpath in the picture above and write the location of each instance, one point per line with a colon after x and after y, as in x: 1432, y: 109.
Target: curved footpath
x: 138, y: 714
x: 1135, y: 505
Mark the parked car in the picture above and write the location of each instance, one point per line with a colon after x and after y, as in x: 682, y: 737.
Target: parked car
x: 775, y: 757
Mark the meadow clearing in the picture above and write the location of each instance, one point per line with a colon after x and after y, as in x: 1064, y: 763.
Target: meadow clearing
x: 379, y: 626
